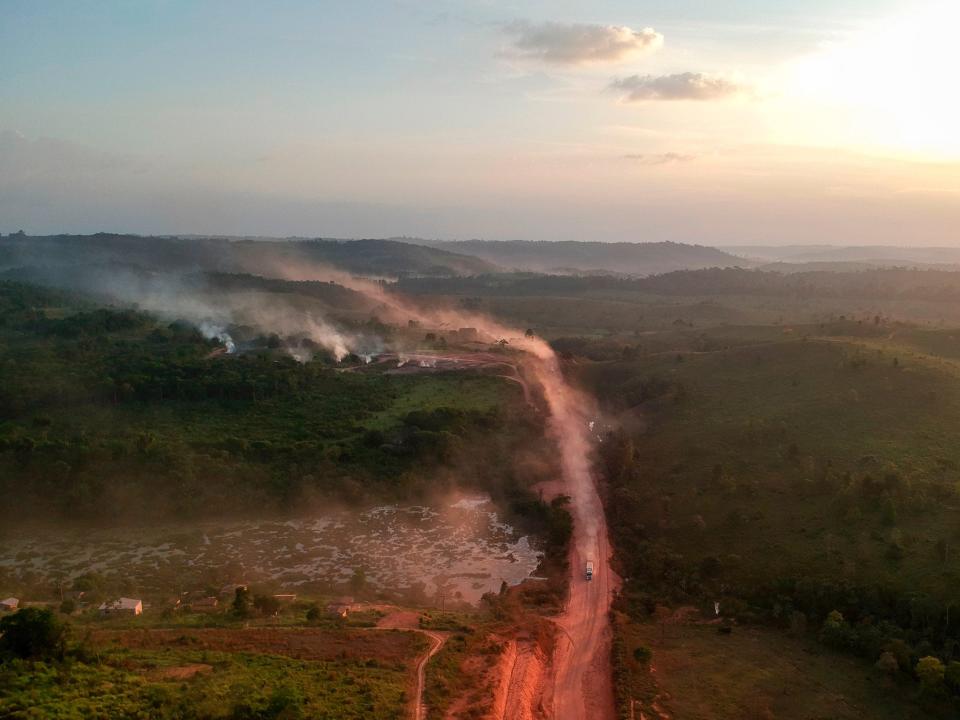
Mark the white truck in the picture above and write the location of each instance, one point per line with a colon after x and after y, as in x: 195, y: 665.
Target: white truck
x: 589, y: 570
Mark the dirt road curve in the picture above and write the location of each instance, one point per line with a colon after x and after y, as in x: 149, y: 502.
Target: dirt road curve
x: 395, y: 618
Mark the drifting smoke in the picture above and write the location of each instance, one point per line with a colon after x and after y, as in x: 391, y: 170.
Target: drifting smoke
x: 570, y: 411
x: 212, y: 331
x: 214, y: 310
x: 570, y: 425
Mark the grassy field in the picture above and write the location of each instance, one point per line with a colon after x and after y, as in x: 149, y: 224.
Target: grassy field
x: 695, y: 673
x: 220, y: 674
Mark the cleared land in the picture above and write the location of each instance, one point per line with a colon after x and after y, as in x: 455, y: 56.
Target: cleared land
x: 222, y: 674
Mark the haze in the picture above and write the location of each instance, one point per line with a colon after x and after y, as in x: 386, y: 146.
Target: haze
x: 741, y: 122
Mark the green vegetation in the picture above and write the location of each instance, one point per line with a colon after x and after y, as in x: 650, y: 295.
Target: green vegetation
x: 186, y: 680
x: 101, y: 404
x: 806, y: 482
x: 753, y: 673
x: 781, y: 445
x: 32, y: 634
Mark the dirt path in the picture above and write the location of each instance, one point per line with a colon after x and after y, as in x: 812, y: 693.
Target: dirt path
x: 421, y: 710
x: 399, y: 619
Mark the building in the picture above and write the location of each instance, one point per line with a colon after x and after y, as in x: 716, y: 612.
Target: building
x: 122, y: 606
x: 9, y: 604
x: 285, y: 598
x: 204, y: 604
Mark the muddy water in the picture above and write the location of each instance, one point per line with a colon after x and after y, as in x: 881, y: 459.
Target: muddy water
x: 459, y: 548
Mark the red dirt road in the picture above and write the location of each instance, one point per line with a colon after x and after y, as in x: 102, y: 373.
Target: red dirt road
x: 579, y: 683
x: 582, y: 675
x: 583, y: 686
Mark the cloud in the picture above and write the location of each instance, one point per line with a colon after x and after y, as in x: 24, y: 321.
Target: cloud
x: 682, y: 86
x: 659, y: 158
x: 581, y: 44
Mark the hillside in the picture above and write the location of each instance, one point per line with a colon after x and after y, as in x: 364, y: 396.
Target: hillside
x: 113, y: 412
x: 620, y: 258
x: 388, y: 258
x: 881, y: 255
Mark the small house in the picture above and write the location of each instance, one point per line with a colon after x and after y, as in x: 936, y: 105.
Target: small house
x: 122, y: 606
x: 285, y: 598
x: 204, y: 604
x: 10, y: 604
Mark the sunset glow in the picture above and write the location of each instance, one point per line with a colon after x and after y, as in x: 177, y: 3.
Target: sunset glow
x: 460, y: 119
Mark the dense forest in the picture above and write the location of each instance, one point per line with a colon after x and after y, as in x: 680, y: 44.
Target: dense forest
x: 788, y: 481
x: 935, y: 285
x: 108, y: 411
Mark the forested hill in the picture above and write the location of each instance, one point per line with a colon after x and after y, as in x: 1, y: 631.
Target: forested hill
x: 112, y: 414
x: 390, y: 258
x: 877, y: 284
x: 621, y: 258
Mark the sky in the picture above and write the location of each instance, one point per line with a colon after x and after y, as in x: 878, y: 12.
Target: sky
x: 703, y: 121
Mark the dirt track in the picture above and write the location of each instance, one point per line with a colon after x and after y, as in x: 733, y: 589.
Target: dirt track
x: 578, y: 683
x: 437, y: 640
x: 582, y: 682
x: 582, y: 675
x: 398, y: 619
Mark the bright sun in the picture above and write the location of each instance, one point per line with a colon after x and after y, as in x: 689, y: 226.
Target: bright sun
x: 892, y: 87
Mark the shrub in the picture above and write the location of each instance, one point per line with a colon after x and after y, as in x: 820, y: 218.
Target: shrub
x: 887, y: 663
x: 952, y: 675
x: 930, y: 672
x: 32, y: 633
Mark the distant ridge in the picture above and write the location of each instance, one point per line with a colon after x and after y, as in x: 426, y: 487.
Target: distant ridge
x: 595, y: 257
x: 875, y: 255
x: 387, y: 258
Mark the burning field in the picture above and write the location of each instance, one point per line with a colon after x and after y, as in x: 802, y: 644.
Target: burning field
x: 459, y: 548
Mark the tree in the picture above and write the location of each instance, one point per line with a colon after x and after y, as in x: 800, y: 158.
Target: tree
x: 33, y: 633
x: 887, y: 664
x: 266, y: 604
x: 836, y: 631
x: 930, y: 672
x: 313, y: 614
x: 952, y: 675
x: 358, y: 581
x: 889, y: 513
x: 901, y: 651
x: 241, y: 602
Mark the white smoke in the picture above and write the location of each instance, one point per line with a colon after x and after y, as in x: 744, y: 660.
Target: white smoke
x: 212, y: 330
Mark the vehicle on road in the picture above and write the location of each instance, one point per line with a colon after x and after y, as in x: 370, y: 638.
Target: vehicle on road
x: 589, y: 570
